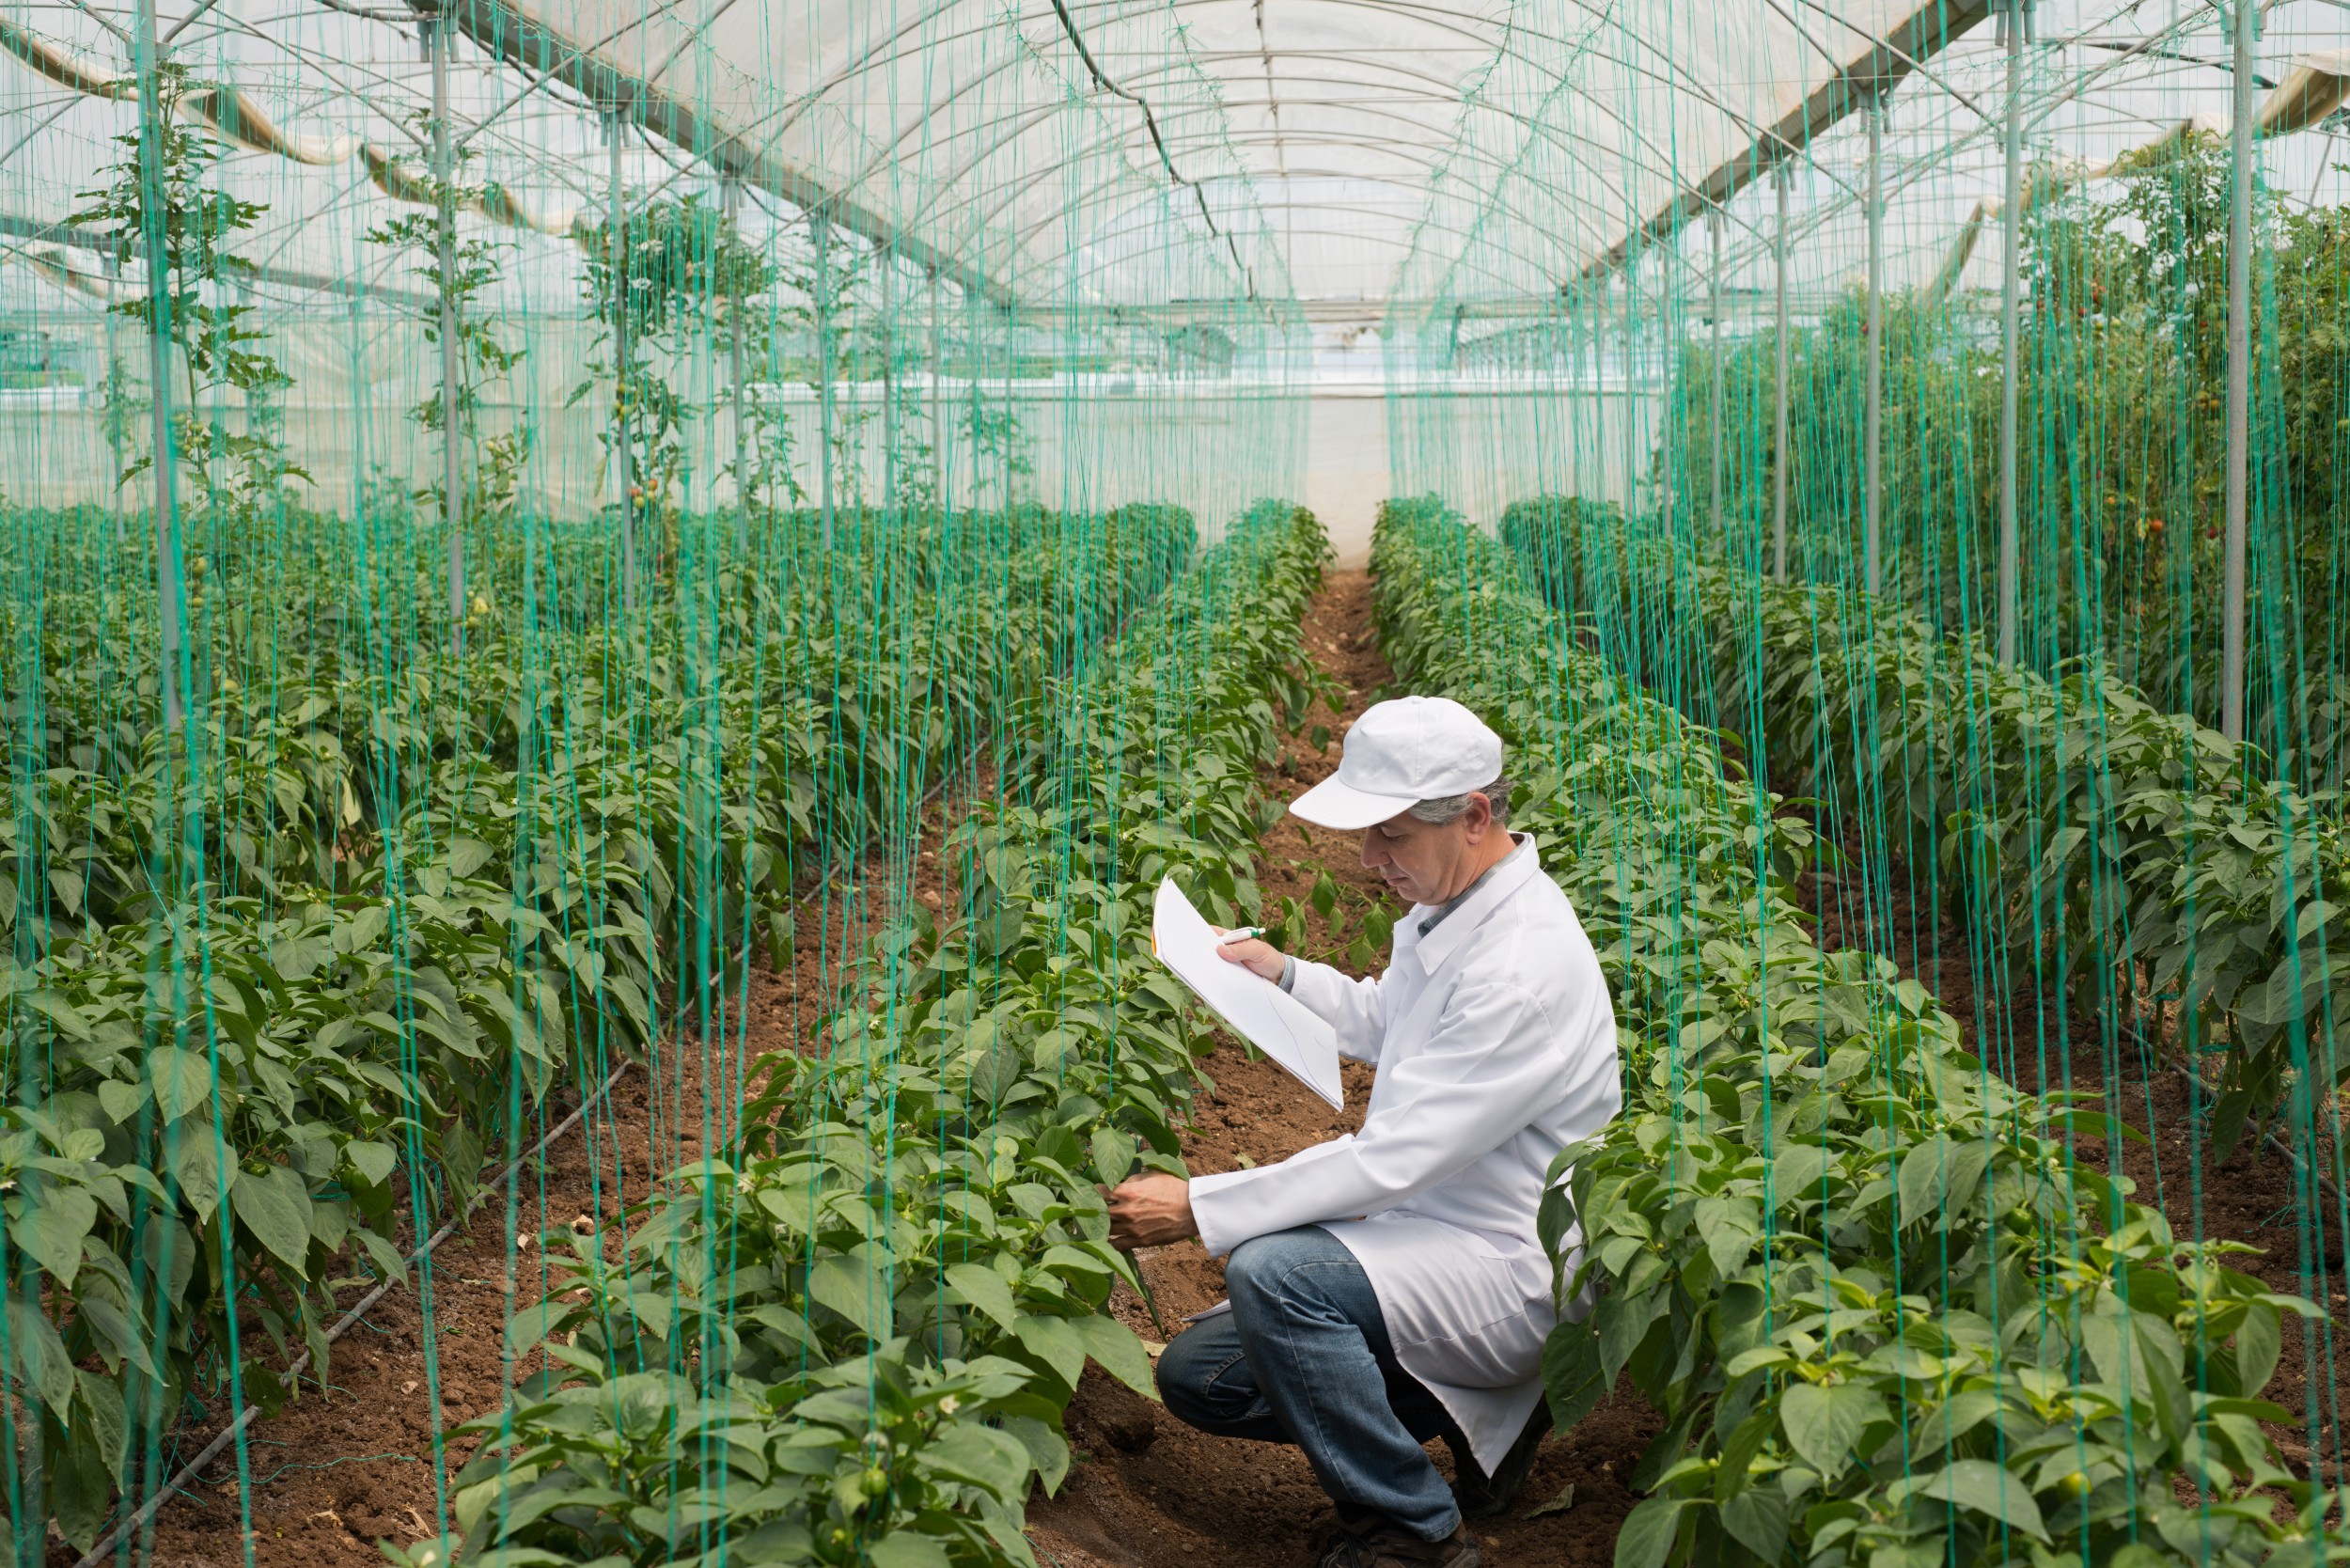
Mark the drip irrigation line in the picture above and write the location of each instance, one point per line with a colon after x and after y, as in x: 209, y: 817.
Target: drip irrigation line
x: 187, y: 1472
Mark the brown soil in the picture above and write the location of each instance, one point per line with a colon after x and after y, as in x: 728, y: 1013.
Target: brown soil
x: 2034, y: 1039
x: 353, y: 1461
x: 1148, y: 1492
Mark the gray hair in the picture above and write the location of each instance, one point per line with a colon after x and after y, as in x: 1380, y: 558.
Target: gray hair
x: 1451, y: 809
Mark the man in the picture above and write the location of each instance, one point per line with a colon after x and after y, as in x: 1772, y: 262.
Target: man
x: 1387, y: 1287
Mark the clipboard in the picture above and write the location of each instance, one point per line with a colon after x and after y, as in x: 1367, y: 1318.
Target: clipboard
x: 1252, y: 1007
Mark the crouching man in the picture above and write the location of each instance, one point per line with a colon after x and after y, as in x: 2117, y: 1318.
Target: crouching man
x: 1387, y: 1287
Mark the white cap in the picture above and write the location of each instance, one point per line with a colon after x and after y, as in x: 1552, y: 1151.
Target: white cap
x: 1398, y: 754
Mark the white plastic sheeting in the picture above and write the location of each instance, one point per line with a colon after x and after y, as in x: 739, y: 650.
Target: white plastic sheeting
x: 1075, y: 155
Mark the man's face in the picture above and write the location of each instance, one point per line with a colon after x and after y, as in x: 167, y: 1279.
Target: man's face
x: 1422, y: 862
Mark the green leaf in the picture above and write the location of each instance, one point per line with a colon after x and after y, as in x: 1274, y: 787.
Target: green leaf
x: 1824, y: 1425
x: 1988, y: 1489
x: 979, y: 1456
x: 907, y: 1548
x: 1646, y: 1539
x: 53, y: 1227
x: 845, y: 1285
x: 985, y: 1289
x: 374, y: 1162
x: 1114, y: 1345
x: 1113, y: 1154
x: 1757, y: 1516
x: 194, y: 1154
x: 275, y: 1207
x: 183, y: 1081
x: 526, y: 1328
x: 1053, y: 1341
x: 102, y: 1410
x: 2257, y: 1344
x: 121, y: 1101
x: 42, y: 1355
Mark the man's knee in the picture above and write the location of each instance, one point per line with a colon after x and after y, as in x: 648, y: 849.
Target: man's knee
x: 1202, y: 1378
x: 1304, y: 1274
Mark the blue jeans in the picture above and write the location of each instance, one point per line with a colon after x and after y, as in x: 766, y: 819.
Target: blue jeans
x: 1304, y: 1358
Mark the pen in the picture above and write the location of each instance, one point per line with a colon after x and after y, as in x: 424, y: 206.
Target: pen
x: 1242, y: 935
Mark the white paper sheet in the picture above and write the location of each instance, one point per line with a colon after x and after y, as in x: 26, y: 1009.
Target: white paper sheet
x: 1258, y: 1010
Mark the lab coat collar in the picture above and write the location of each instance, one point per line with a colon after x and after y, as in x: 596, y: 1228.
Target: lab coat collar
x: 1439, y: 945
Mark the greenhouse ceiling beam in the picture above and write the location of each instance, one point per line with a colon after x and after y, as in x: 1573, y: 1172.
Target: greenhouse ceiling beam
x: 534, y: 47
x: 68, y: 235
x: 1926, y: 32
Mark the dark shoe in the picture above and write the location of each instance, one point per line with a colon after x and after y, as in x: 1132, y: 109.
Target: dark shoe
x: 1481, y: 1496
x: 1367, y: 1540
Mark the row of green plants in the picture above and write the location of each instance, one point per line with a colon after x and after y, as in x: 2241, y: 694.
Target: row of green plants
x: 2130, y: 859
x: 309, y: 736
x: 1886, y: 1313
x: 258, y: 997
x: 2122, y: 367
x: 851, y: 1342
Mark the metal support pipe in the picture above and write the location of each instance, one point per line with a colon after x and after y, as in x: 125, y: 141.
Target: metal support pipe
x: 887, y: 262
x: 1714, y: 413
x: 1872, y: 496
x: 1779, y: 386
x: 2243, y: 16
x: 624, y: 413
x: 938, y: 377
x: 1666, y: 481
x: 2010, y: 283
x: 444, y: 203
x: 165, y: 464
x: 735, y: 308
x: 820, y: 240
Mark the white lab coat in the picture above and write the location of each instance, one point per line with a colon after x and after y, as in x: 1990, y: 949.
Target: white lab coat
x: 1494, y: 1042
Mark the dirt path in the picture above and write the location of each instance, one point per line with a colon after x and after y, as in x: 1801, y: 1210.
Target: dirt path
x: 1147, y: 1491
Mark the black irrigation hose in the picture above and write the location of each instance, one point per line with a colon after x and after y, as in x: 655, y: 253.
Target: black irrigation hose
x: 187, y: 1472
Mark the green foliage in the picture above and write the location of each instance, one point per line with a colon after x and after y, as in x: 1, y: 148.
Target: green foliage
x: 661, y: 278
x: 482, y: 355
x: 1886, y: 1314
x: 238, y: 471
x: 2112, y: 851
x: 2122, y: 457
x: 854, y: 1344
x: 427, y: 898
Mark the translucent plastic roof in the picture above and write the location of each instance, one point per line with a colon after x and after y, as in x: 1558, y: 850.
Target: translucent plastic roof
x: 1075, y: 155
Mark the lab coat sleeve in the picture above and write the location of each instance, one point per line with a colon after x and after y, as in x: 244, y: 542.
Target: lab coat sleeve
x: 1354, y: 1007
x: 1493, y: 1064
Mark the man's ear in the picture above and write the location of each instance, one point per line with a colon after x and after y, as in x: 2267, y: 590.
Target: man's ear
x: 1479, y: 819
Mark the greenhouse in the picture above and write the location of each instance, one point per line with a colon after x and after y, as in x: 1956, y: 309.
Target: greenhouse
x: 637, y: 636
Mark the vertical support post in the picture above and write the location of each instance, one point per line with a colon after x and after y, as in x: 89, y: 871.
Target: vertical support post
x: 624, y: 352
x: 2242, y: 17
x: 938, y: 377
x: 820, y: 240
x: 1667, y: 479
x: 114, y: 383
x: 1873, y: 497
x: 736, y: 384
x: 166, y: 465
x: 1779, y: 384
x: 1714, y: 413
x: 887, y: 262
x: 445, y: 204
x: 2011, y: 283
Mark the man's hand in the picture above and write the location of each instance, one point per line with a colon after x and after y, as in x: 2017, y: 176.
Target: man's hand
x: 1151, y: 1210
x: 1261, y: 958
